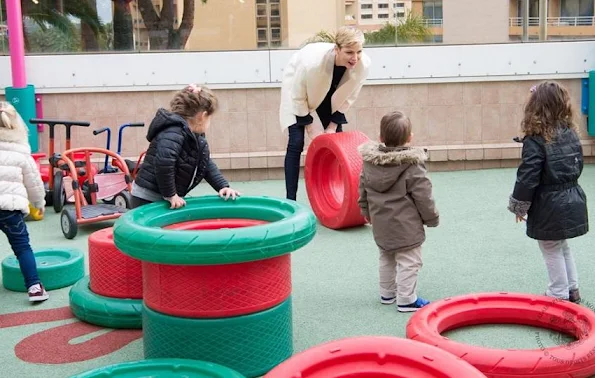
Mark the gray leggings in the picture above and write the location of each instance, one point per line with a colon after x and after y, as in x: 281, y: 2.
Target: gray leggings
x: 561, y: 268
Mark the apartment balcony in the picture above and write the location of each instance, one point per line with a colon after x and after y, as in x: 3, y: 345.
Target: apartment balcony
x: 349, y: 2
x: 556, y: 26
x: 433, y: 22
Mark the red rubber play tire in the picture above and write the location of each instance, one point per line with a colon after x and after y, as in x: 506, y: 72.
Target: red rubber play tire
x: 112, y: 273
x: 332, y: 169
x: 374, y: 357
x: 217, y: 291
x: 574, y: 360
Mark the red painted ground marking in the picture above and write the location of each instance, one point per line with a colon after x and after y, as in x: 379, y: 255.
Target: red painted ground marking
x: 52, y: 346
x: 34, y: 317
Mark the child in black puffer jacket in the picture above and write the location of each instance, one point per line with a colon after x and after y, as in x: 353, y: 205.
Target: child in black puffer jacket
x: 547, y: 189
x: 178, y: 157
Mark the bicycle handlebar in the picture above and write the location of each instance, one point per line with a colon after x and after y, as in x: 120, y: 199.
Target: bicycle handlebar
x: 99, y: 131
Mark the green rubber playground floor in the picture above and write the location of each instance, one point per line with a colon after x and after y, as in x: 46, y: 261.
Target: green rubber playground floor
x: 478, y: 247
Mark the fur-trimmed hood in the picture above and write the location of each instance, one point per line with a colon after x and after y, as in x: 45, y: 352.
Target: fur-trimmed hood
x: 384, y: 166
x: 379, y: 154
x: 16, y: 135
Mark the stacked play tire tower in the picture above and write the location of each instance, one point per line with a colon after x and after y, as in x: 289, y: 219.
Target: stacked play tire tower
x: 111, y: 296
x: 217, y: 278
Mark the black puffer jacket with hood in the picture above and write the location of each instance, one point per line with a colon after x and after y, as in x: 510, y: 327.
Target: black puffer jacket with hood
x: 177, y: 159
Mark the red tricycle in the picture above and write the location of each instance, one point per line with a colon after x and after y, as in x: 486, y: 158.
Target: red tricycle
x: 99, y: 186
x: 55, y: 194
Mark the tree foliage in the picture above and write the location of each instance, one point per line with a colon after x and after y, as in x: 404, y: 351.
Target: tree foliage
x: 411, y: 29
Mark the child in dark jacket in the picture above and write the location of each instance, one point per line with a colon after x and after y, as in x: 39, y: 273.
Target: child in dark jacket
x: 546, y: 194
x: 396, y: 198
x: 178, y: 156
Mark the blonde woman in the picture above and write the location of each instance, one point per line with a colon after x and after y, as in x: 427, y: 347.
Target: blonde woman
x: 320, y: 83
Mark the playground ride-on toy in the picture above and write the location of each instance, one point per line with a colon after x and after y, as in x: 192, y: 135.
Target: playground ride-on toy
x: 236, y: 256
x: 115, y: 165
x: 85, y: 212
x: 55, y: 194
x: 370, y: 356
x: 575, y: 359
x: 173, y: 367
x: 331, y: 171
x: 133, y: 167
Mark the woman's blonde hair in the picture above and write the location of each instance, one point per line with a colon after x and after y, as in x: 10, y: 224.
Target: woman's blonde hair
x: 10, y: 118
x: 348, y: 36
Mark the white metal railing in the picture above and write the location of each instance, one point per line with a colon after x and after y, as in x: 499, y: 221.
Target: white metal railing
x: 556, y: 21
x: 432, y: 21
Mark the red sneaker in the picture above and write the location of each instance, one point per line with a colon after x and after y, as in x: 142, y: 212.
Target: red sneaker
x: 37, y: 293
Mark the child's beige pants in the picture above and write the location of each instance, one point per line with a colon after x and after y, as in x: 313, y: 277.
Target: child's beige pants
x: 398, y: 274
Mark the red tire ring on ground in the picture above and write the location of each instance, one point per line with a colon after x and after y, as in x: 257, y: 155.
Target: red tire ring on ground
x: 217, y: 291
x: 575, y: 360
x: 374, y: 357
x: 111, y: 272
x: 332, y: 170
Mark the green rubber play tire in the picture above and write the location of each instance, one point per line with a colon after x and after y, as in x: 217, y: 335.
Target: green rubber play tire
x: 104, y: 311
x: 250, y: 344
x: 139, y: 233
x: 56, y: 268
x: 162, y: 368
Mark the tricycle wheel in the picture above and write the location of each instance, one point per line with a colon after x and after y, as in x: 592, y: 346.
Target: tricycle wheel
x: 109, y: 200
x: 68, y: 223
x: 123, y: 200
x: 59, y: 195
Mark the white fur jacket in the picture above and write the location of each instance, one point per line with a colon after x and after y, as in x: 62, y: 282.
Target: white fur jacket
x: 307, y: 79
x: 20, y: 180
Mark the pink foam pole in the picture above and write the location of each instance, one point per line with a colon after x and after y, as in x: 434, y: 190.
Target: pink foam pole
x: 16, y: 43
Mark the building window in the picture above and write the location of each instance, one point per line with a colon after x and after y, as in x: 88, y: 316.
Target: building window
x: 268, y: 23
x: 366, y: 6
x: 533, y: 8
x: 576, y: 8
x: 366, y: 16
x: 383, y: 15
x: 432, y: 9
x: 382, y: 6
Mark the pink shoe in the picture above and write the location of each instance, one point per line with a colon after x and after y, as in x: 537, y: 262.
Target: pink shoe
x: 37, y: 293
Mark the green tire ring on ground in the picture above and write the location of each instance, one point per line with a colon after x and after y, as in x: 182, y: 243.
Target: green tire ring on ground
x: 250, y: 344
x: 56, y: 267
x: 138, y: 233
x: 163, y: 367
x: 104, y: 311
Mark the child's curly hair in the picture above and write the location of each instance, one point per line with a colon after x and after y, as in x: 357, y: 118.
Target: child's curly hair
x: 192, y: 100
x: 548, y: 109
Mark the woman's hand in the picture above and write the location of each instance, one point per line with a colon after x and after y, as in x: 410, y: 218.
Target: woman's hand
x: 331, y: 128
x: 313, y: 132
x: 227, y: 192
x: 176, y: 202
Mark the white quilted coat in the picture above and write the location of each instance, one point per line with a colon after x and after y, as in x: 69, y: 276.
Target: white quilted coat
x: 20, y: 180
